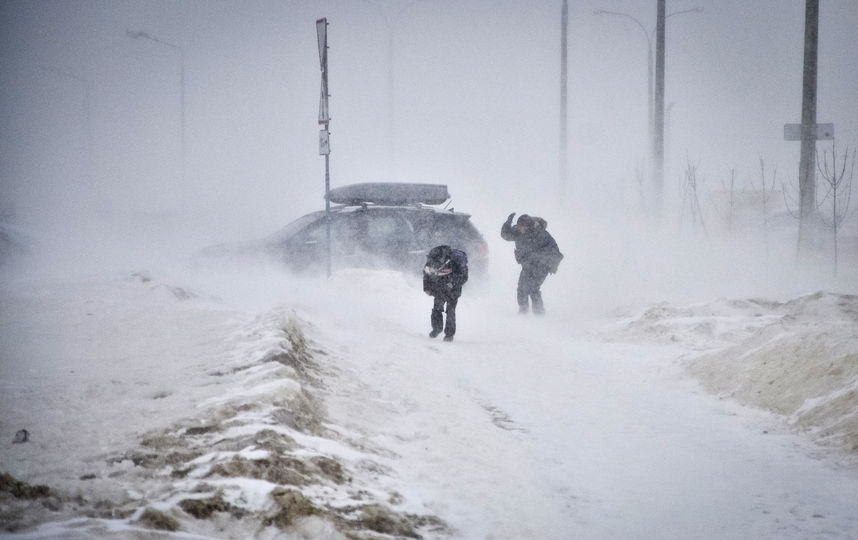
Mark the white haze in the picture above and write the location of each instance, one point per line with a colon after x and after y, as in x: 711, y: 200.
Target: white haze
x: 91, y: 153
x: 92, y: 183
x: 91, y: 159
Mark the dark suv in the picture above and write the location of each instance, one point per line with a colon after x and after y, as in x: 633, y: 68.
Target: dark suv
x: 378, y: 225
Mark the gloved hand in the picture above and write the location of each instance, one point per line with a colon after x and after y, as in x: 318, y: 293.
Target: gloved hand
x: 509, y: 217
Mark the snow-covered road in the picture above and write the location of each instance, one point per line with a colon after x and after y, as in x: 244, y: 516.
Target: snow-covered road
x: 524, y: 428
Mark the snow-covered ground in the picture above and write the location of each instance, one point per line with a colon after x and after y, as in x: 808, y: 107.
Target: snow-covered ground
x: 256, y: 405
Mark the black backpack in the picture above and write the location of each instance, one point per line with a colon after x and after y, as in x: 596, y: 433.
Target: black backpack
x: 460, y: 258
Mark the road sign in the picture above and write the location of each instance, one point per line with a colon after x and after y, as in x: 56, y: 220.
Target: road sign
x: 324, y: 142
x: 322, y: 37
x: 324, y: 115
x: 824, y: 132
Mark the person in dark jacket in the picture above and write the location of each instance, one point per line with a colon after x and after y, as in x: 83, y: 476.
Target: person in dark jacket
x: 537, y: 253
x: 445, y: 272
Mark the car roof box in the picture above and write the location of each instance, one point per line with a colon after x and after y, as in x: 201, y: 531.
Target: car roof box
x: 389, y: 193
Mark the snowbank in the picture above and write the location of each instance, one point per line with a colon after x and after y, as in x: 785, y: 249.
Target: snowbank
x: 150, y: 406
x: 797, y: 358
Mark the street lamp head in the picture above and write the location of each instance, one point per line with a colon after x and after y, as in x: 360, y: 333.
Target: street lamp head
x: 686, y: 11
x: 139, y: 35
x: 146, y: 35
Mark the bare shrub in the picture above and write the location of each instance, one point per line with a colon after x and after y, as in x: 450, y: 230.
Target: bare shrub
x: 839, y: 189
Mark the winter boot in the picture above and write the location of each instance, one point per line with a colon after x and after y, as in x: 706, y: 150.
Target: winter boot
x: 538, y: 306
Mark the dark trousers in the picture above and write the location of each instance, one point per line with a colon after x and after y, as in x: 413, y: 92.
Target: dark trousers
x: 438, y: 317
x: 529, y: 281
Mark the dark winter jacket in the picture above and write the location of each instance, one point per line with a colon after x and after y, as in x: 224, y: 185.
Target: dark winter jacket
x: 534, y: 246
x: 444, y: 273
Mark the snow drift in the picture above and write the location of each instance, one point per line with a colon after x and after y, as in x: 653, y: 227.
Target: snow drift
x: 797, y: 358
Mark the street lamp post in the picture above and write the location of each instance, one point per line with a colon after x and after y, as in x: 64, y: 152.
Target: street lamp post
x: 649, y: 72
x: 87, y: 104
x: 390, y: 24
x: 144, y: 35
x: 653, y: 145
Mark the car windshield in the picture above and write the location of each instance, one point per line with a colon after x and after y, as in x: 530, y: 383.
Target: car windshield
x: 293, y: 228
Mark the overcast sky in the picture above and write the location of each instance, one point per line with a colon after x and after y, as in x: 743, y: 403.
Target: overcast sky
x: 90, y: 118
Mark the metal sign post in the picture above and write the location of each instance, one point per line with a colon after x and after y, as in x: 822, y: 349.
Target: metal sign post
x: 325, y: 120
x: 564, y: 101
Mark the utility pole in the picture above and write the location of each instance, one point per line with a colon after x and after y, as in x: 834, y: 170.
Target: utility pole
x: 658, y: 142
x: 564, y: 26
x: 390, y: 22
x: 807, y: 162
